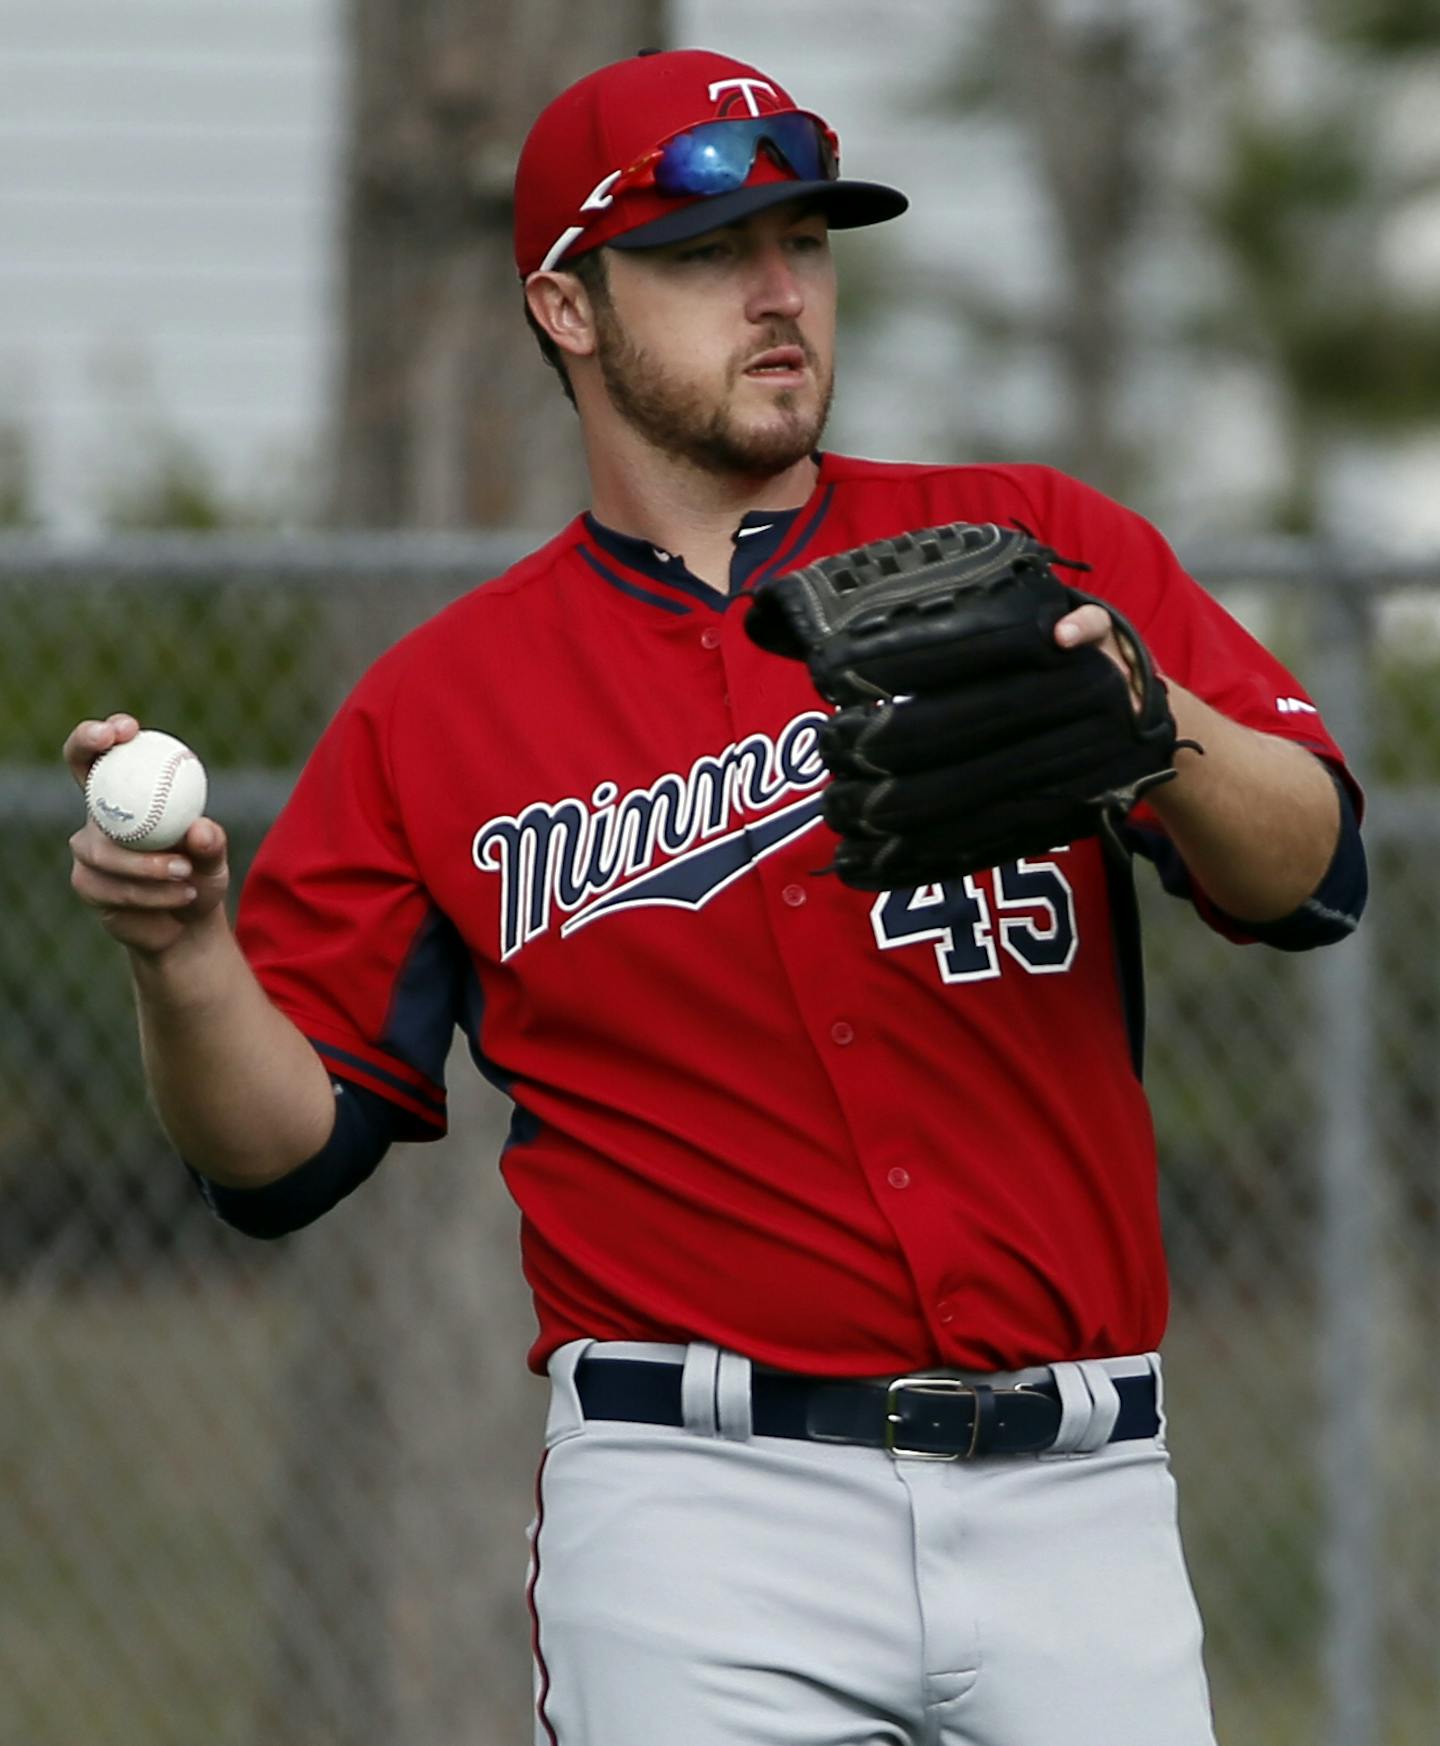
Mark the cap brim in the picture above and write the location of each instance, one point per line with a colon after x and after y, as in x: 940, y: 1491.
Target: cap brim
x: 847, y: 206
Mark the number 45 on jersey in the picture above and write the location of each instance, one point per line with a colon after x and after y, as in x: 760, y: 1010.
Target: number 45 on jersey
x: 1024, y: 908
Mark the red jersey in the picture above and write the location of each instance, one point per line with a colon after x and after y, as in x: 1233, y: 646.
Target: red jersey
x: 577, y: 814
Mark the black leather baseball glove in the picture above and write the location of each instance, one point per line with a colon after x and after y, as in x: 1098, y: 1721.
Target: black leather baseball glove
x: 965, y: 736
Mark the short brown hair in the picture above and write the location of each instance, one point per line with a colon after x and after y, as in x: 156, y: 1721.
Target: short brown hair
x: 593, y: 273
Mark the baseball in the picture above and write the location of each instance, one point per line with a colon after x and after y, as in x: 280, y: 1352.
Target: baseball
x: 148, y: 792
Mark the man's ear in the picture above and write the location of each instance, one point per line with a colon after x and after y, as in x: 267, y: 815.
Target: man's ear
x: 562, y: 307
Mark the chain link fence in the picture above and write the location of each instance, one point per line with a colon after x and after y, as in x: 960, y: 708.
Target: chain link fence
x: 277, y: 1493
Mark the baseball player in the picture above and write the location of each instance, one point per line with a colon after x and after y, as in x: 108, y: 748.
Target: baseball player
x: 839, y: 1205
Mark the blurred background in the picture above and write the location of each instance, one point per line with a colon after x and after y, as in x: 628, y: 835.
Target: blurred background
x: 266, y: 399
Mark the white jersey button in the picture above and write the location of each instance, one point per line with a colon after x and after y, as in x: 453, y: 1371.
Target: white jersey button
x: 898, y: 1178
x: 842, y: 1033
x: 794, y: 895
x: 710, y: 637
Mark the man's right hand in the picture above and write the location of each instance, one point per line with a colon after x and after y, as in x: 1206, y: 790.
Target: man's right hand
x: 149, y: 900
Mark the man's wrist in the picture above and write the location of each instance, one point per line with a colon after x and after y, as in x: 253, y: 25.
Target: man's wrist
x: 183, y: 975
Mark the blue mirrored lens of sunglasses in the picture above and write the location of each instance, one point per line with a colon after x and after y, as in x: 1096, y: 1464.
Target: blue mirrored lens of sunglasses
x: 718, y: 156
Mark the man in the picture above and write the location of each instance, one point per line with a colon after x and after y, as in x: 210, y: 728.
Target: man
x: 838, y: 1208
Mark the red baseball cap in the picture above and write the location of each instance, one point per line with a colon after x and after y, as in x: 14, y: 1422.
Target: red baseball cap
x: 594, y: 135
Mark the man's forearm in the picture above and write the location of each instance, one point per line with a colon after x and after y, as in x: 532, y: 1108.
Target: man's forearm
x: 1256, y: 819
x: 239, y: 1090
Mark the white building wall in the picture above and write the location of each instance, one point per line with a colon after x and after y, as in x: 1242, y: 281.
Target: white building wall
x: 167, y: 192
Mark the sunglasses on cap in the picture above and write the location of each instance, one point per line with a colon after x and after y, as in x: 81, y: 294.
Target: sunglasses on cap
x: 716, y: 157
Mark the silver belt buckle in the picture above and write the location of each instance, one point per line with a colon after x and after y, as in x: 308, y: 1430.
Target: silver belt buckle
x: 927, y: 1385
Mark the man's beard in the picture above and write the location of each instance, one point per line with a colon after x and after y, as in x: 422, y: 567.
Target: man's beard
x: 674, y: 416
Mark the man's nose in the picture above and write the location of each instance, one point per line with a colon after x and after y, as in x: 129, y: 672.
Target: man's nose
x: 776, y: 288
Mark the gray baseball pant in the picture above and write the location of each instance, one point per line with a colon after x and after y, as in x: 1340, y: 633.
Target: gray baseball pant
x: 699, y: 1586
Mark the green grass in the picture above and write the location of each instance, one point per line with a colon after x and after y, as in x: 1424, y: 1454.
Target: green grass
x: 1247, y: 1409
x: 132, y: 1558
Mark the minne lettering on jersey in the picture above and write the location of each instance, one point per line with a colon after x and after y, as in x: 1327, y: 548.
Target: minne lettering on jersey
x: 676, y: 843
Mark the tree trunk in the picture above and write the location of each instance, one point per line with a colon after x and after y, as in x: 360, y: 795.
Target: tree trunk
x: 410, y: 1424
x: 448, y: 418
x: 1084, y: 93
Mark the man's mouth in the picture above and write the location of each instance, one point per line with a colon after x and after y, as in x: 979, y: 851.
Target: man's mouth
x: 783, y: 363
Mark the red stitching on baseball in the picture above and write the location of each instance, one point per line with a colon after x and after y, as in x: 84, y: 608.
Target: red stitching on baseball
x: 162, y: 794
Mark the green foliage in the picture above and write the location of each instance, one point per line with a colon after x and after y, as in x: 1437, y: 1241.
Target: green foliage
x: 169, y: 484
x: 1367, y: 364
x: 159, y: 483
x: 1405, y: 726
x: 238, y: 670
x: 17, y: 508
x: 1296, y: 209
x: 1349, y: 350
x: 1281, y: 184
x: 178, y: 489
x: 1384, y: 27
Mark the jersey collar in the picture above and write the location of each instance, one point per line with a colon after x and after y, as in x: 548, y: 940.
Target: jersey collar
x: 764, y: 541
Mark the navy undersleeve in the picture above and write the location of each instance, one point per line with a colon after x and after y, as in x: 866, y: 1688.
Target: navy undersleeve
x: 365, y: 1125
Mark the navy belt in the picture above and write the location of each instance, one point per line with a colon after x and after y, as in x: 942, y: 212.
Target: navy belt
x: 939, y: 1418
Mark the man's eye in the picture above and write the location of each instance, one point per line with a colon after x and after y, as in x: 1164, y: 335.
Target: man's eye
x: 709, y: 252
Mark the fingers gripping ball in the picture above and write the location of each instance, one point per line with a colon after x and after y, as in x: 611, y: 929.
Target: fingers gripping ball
x: 965, y: 735
x: 148, y: 792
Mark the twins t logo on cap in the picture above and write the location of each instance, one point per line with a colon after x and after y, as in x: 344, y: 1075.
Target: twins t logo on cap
x: 748, y: 88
